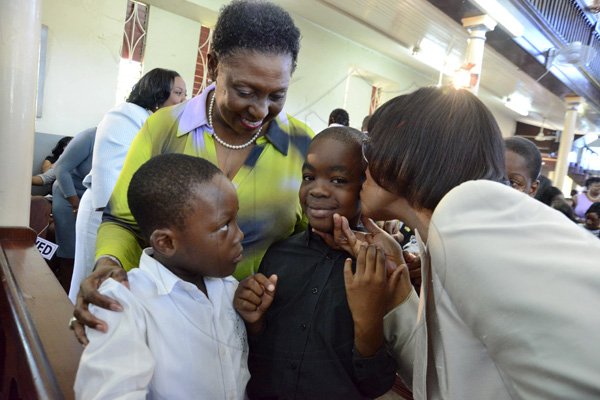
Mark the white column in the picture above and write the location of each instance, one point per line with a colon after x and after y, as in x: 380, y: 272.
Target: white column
x: 19, y: 52
x: 477, y: 27
x: 566, y: 143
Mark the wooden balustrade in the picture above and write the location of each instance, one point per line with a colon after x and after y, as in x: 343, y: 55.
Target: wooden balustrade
x: 38, y: 353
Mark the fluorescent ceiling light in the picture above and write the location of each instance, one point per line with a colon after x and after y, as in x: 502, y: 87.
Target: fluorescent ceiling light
x: 436, y: 54
x: 518, y: 103
x: 501, y: 15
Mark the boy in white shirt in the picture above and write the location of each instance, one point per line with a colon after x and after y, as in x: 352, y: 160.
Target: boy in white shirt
x: 178, y: 336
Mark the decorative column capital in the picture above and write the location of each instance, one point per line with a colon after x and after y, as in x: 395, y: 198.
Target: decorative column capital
x: 573, y: 101
x: 479, y: 25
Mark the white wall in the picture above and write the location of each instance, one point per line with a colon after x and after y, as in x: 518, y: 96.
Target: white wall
x: 506, y: 118
x: 84, y: 53
x: 172, y: 43
x: 333, y: 71
x: 84, y: 41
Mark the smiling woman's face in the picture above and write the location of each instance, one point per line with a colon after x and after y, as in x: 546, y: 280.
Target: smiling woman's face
x: 251, y: 90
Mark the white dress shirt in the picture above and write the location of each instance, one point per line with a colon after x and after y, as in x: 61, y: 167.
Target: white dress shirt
x: 170, y: 342
x: 509, y: 303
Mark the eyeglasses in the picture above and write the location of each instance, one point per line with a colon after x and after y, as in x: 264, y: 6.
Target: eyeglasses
x: 365, y: 143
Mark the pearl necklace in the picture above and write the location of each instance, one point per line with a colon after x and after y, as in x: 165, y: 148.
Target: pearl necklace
x: 221, y: 141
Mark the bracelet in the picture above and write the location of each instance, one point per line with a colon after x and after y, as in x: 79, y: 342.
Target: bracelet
x: 112, y: 258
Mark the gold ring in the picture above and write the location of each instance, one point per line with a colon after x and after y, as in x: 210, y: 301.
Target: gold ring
x: 73, y: 319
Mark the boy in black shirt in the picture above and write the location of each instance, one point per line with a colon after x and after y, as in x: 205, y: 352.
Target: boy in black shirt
x: 303, y: 342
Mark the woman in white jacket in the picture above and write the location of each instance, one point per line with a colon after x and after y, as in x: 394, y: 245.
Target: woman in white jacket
x: 509, y: 301
x: 156, y: 89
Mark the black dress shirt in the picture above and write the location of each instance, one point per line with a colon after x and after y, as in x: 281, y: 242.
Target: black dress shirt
x: 306, y: 350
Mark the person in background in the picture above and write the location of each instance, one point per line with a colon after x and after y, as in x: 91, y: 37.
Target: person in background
x: 506, y: 300
x: 56, y: 152
x: 550, y: 194
x: 592, y: 219
x: 544, y: 183
x: 584, y: 200
x: 178, y: 336
x: 365, y: 124
x: 238, y: 124
x: 339, y: 117
x: 46, y: 178
x: 304, y: 342
x: 553, y: 197
x: 72, y: 166
x: 523, y: 163
x: 564, y: 207
x: 156, y: 89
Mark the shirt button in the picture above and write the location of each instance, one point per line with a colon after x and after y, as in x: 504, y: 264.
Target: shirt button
x: 293, y: 366
x: 303, y: 326
x: 314, y: 290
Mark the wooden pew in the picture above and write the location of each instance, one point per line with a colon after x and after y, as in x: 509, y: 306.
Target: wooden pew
x: 38, y: 353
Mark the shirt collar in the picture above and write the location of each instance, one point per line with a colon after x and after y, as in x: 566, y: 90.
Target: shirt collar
x: 314, y: 241
x: 194, y: 116
x: 164, y: 279
x: 277, y: 136
x: 194, y: 113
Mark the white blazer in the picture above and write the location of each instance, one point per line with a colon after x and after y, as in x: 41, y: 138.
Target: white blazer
x: 510, y: 303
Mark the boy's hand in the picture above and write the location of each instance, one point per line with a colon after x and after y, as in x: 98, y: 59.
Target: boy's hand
x: 393, y: 228
x: 352, y: 241
x: 366, y: 293
x: 372, y: 291
x: 413, y: 261
x: 253, y: 298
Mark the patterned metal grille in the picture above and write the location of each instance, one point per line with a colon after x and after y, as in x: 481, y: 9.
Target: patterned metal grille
x: 571, y: 23
x: 134, y: 34
x: 201, y: 75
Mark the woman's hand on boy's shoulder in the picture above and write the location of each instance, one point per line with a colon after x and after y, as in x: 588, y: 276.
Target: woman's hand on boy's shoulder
x: 89, y: 294
x: 252, y: 299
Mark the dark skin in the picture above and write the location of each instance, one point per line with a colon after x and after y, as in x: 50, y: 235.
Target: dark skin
x: 383, y: 234
x: 211, y: 234
x: 251, y: 89
x: 331, y: 185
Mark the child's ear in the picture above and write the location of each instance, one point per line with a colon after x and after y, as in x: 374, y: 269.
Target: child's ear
x: 163, y: 241
x: 534, y: 187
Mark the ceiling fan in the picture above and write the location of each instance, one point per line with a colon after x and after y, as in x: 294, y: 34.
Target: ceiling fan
x: 574, y: 53
x: 541, y: 136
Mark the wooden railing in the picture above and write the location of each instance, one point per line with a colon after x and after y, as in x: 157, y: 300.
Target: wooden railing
x: 38, y: 353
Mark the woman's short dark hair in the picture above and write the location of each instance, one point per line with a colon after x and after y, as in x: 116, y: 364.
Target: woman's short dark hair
x: 424, y: 144
x: 591, y: 180
x: 339, y: 116
x: 255, y: 25
x: 153, y: 89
